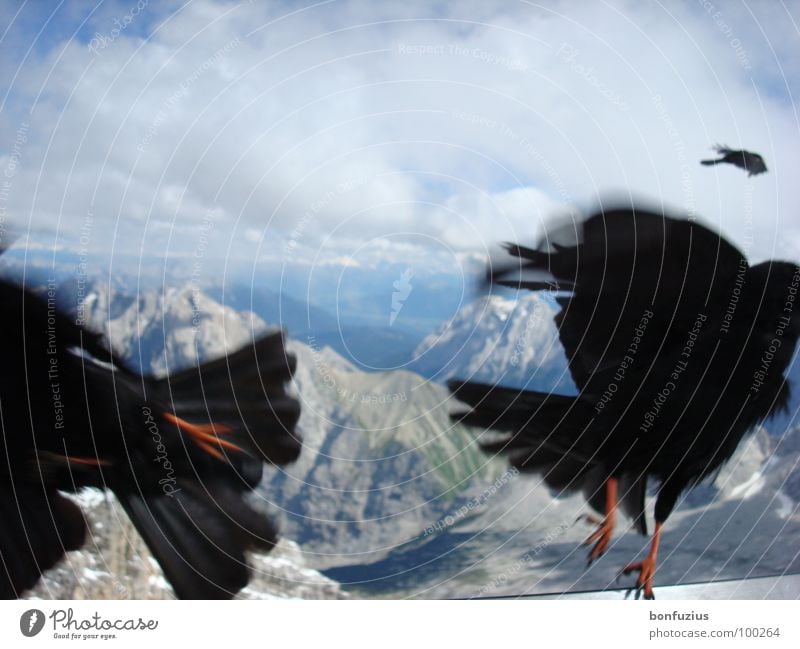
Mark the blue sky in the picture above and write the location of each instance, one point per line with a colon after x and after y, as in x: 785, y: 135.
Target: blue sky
x: 342, y: 134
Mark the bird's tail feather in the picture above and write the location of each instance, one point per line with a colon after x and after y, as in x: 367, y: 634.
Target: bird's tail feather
x: 710, y: 162
x: 533, y: 271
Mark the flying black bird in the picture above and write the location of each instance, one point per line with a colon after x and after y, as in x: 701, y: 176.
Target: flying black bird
x: 678, y: 348
x: 181, y: 453
x: 752, y: 163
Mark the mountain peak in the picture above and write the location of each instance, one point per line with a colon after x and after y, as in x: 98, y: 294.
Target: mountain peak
x: 167, y: 330
x: 496, y: 339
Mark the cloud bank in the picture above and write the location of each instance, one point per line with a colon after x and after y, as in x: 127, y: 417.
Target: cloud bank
x: 298, y: 132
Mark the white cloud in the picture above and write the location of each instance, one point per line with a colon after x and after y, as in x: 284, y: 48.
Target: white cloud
x: 344, y: 261
x: 464, y: 124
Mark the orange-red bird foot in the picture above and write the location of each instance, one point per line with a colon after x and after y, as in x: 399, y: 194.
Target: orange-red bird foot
x: 600, y: 537
x: 646, y: 569
x: 644, y: 583
x: 605, y: 526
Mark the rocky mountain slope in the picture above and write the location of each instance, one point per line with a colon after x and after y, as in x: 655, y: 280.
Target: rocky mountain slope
x: 381, y: 460
x: 116, y: 564
x: 501, y: 340
x: 389, y: 498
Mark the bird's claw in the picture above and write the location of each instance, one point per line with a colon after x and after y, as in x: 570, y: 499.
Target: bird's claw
x: 601, y: 537
x: 644, y: 582
x: 592, y: 520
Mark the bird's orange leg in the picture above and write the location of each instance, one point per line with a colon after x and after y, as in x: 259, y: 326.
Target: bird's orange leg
x: 602, y: 536
x: 205, y: 435
x: 646, y: 568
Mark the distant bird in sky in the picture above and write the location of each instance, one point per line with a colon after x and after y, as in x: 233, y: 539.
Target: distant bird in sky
x: 678, y: 348
x: 180, y: 453
x: 752, y: 163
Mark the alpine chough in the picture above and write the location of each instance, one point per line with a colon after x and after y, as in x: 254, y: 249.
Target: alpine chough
x: 678, y: 348
x: 752, y: 163
x: 181, y: 454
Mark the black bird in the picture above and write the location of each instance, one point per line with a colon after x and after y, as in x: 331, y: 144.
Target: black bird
x: 181, y: 453
x: 678, y: 348
x: 752, y: 163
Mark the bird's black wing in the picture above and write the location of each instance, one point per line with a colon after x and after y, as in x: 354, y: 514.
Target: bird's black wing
x: 200, y: 535
x: 246, y: 391
x: 182, y: 453
x: 233, y: 414
x: 37, y: 525
x: 635, y: 285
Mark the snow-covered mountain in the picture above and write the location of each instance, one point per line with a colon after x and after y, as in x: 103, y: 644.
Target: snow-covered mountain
x: 389, y: 498
x: 116, y: 564
x: 160, y: 331
x: 523, y: 539
x: 154, y: 332
x: 377, y: 446
x: 381, y: 459
x: 498, y: 340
